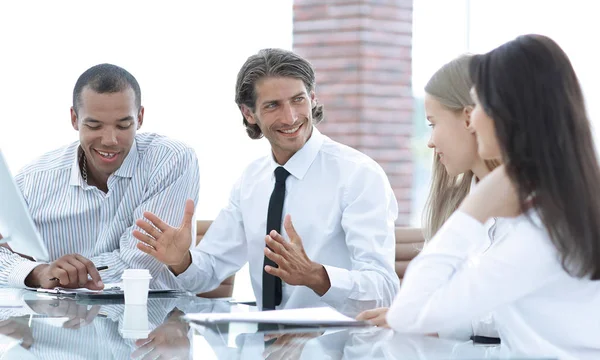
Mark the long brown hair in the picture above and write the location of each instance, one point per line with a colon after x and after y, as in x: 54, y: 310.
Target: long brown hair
x: 530, y: 90
x: 451, y: 86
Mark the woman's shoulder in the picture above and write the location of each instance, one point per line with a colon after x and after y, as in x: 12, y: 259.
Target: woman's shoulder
x: 526, y: 230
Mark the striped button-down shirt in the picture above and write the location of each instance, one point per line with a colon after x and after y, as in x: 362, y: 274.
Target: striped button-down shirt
x: 157, y: 175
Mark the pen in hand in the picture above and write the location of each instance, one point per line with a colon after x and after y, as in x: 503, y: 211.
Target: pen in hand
x: 99, y: 268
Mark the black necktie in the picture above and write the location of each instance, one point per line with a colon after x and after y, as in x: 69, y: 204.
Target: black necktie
x: 272, y: 284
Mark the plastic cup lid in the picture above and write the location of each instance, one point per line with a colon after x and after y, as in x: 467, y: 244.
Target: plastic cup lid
x: 136, y: 274
x: 134, y: 334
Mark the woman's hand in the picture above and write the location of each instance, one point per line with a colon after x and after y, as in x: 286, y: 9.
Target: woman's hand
x: 494, y: 196
x: 375, y: 317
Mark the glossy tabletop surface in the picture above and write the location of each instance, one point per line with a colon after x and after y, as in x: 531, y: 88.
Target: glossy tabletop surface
x: 43, y: 326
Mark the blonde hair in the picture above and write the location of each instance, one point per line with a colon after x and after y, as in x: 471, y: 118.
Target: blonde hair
x: 451, y: 86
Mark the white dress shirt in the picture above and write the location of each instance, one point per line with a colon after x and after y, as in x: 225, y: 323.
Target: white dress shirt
x: 538, y: 308
x: 343, y: 208
x: 157, y: 175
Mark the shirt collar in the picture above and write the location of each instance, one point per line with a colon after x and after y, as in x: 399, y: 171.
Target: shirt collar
x: 473, y: 183
x: 126, y: 170
x: 299, y: 163
x: 76, y: 178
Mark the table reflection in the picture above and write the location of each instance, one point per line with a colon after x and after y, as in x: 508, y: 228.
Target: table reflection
x: 34, y: 326
x: 344, y: 343
x: 50, y: 327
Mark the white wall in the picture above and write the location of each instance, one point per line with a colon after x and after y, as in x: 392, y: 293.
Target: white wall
x: 443, y: 29
x: 572, y: 24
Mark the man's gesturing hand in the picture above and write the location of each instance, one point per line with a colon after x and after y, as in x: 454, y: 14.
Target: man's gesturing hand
x: 295, y: 268
x: 169, y: 245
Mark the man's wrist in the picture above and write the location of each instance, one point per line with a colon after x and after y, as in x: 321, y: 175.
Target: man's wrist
x: 319, y: 280
x: 183, y: 266
x: 33, y: 278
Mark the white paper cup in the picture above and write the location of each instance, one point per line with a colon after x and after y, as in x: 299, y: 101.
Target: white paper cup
x: 135, y: 322
x: 135, y: 284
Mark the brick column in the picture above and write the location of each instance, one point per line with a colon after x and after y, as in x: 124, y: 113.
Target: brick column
x: 361, y: 50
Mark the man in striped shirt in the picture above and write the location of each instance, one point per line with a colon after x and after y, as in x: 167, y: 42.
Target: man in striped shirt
x: 84, y: 198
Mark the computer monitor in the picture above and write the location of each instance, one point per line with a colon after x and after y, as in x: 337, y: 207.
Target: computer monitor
x: 16, y: 225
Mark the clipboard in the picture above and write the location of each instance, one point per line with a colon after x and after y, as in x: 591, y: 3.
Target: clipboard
x: 117, y: 293
x: 71, y: 292
x: 117, y: 296
x: 112, y: 292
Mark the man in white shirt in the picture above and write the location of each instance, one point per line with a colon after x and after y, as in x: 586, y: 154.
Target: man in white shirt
x: 341, y: 244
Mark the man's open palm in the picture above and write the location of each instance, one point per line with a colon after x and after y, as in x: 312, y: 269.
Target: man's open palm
x: 167, y: 244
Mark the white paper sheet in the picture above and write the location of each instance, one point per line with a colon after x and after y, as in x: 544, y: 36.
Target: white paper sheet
x: 325, y: 316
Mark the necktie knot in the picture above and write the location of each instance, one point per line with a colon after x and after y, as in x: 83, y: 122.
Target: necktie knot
x: 281, y: 174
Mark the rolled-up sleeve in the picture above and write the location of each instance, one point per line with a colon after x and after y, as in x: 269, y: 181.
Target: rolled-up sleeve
x: 14, y: 269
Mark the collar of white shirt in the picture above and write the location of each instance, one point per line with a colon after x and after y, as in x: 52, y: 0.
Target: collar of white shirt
x: 126, y: 170
x: 299, y: 163
x: 473, y: 183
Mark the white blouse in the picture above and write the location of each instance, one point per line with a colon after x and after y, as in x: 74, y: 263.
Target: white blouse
x: 495, y: 229
x: 538, y: 308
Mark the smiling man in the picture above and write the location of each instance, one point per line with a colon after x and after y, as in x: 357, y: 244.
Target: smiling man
x: 84, y: 198
x: 339, y: 248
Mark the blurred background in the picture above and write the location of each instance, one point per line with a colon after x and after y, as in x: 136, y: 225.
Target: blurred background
x: 372, y: 57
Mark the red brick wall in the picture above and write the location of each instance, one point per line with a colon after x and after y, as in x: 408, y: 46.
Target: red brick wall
x: 361, y: 50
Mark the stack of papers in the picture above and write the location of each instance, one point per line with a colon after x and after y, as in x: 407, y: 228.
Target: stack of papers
x: 322, y: 316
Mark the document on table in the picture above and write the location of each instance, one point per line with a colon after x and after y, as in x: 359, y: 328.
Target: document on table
x: 322, y: 316
x: 64, y: 291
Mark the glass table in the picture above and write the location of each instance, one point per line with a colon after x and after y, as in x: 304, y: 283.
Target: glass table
x: 44, y: 326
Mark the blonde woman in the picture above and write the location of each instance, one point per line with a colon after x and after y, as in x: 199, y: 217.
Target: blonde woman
x: 456, y: 164
x: 456, y: 168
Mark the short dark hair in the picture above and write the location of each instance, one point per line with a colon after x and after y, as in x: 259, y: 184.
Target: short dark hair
x: 272, y: 63
x: 530, y: 90
x: 106, y: 78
